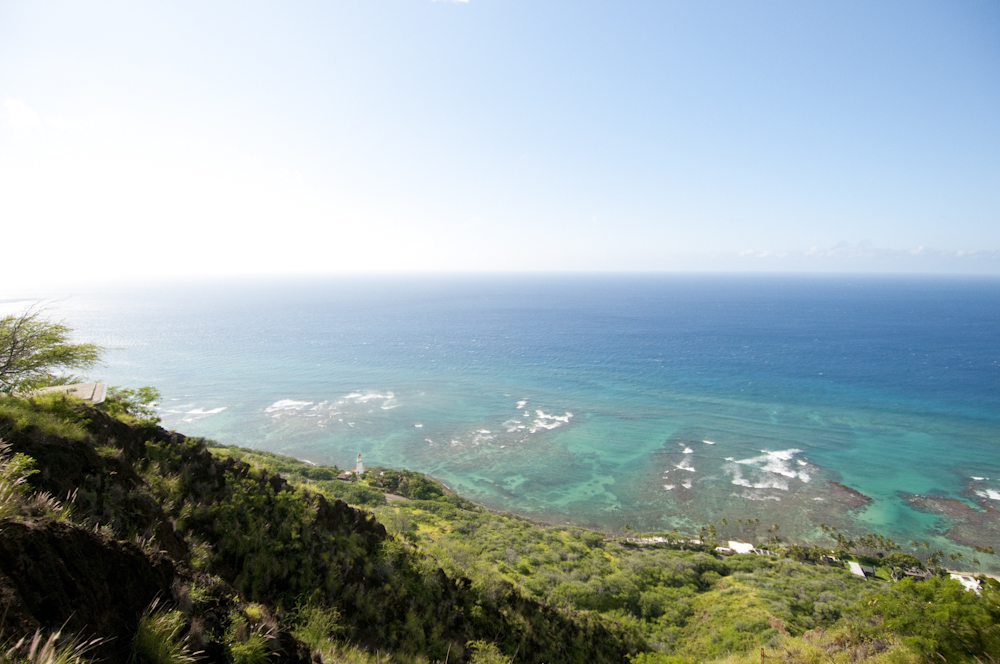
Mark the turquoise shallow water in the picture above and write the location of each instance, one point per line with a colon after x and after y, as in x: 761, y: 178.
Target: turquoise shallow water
x: 650, y: 401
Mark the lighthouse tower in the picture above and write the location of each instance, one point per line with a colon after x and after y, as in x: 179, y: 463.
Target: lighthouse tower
x: 358, y: 469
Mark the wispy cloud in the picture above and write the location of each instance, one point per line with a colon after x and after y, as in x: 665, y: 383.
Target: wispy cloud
x: 865, y: 251
x: 22, y: 119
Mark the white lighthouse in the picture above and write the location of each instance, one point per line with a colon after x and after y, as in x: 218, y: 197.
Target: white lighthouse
x: 358, y: 469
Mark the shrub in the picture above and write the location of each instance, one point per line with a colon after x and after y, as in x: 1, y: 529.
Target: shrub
x: 134, y: 406
x: 938, y: 618
x: 245, y: 645
x: 316, y: 625
x: 484, y: 652
x: 158, y: 638
x: 16, y: 497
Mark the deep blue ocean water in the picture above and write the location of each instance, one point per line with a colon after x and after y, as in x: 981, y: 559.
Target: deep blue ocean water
x: 652, y: 401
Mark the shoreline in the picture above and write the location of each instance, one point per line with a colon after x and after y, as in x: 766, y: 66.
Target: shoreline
x: 393, y: 498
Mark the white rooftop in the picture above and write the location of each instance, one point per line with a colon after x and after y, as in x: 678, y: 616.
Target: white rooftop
x: 740, y: 547
x: 969, y: 582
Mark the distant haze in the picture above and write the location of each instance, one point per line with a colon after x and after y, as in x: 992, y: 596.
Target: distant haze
x: 159, y: 139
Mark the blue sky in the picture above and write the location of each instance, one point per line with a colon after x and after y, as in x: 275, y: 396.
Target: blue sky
x: 497, y: 135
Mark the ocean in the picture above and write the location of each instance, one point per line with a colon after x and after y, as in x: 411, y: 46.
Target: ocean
x: 870, y: 404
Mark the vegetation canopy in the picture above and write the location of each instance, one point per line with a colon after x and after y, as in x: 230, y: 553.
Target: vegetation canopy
x: 36, y: 352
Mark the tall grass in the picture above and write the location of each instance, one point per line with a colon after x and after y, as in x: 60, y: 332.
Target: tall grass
x: 53, y: 649
x: 16, y: 497
x: 246, y: 644
x: 159, y: 640
x: 345, y: 653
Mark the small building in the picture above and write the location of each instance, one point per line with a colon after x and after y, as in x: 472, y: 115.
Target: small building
x: 970, y: 583
x: 914, y: 573
x: 357, y: 470
x: 741, y: 547
x: 857, y: 569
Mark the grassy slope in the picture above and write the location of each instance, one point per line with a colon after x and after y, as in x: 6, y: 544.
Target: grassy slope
x: 687, y: 604
x: 268, y: 528
x: 231, y: 525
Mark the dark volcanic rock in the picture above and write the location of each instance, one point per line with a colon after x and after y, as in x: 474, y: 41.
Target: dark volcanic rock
x: 103, y: 489
x: 852, y: 498
x: 57, y: 576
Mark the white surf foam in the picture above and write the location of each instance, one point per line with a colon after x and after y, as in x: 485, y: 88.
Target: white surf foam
x: 287, y: 404
x: 480, y: 437
x: 512, y: 425
x: 419, y: 426
x: 669, y: 487
x: 774, y: 466
x: 358, y: 397
x: 992, y: 494
x: 708, y: 442
x: 773, y: 462
x: 686, y: 485
x: 979, y: 479
x: 213, y: 411
x: 521, y: 404
x: 688, y: 450
x: 684, y: 465
x: 546, y: 421
x: 773, y: 483
x: 195, y: 414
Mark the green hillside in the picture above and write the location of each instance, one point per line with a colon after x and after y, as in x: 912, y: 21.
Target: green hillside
x: 167, y: 548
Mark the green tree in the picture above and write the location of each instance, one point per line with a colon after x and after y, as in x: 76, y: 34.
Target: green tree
x: 35, y: 352
x: 138, y: 405
x: 938, y: 618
